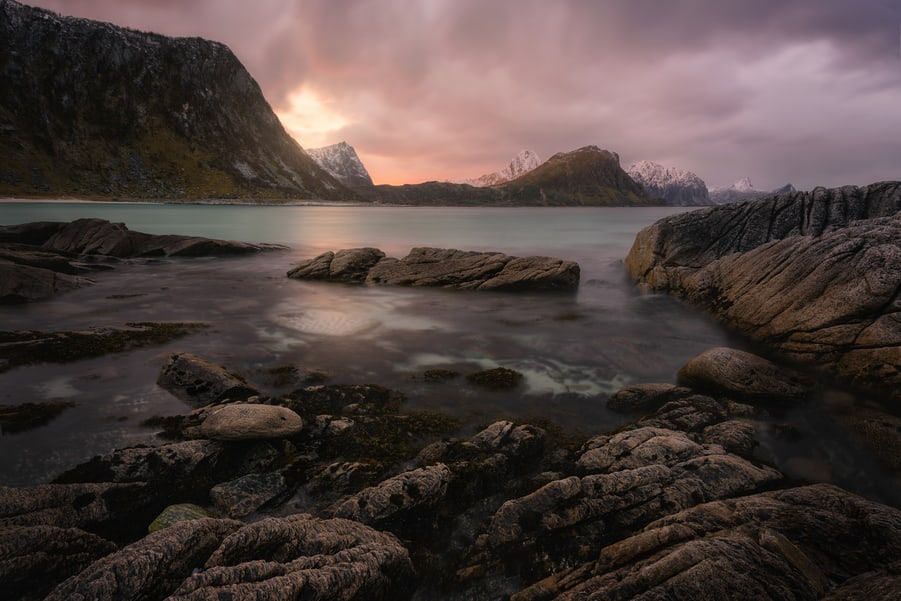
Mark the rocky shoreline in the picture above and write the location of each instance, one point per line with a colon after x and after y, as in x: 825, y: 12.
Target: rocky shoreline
x: 337, y: 491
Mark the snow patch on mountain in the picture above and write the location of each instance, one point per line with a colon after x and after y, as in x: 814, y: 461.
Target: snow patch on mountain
x: 677, y: 187
x: 521, y: 164
x: 341, y: 162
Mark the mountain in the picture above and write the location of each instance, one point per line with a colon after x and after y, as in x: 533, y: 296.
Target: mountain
x: 521, y: 164
x: 91, y: 109
x: 743, y: 189
x: 587, y: 176
x: 342, y: 163
x: 677, y: 187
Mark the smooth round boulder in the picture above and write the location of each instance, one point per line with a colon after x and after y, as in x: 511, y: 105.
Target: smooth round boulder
x: 248, y: 421
x: 743, y: 376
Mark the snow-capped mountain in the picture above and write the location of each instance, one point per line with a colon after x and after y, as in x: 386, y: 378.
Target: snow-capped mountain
x: 743, y: 189
x: 341, y: 162
x: 677, y: 187
x: 521, y: 164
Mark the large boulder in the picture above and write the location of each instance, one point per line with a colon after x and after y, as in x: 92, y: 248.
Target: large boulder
x: 444, y: 268
x: 250, y: 421
x: 812, y: 276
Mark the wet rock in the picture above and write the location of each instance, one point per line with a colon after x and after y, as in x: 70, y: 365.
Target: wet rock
x: 719, y: 550
x: 179, y: 512
x: 743, y: 376
x: 33, y: 559
x: 196, y: 380
x: 813, y: 276
x: 248, y: 421
x: 446, y: 268
x: 79, y: 505
x: 19, y: 418
x: 150, y: 568
x: 523, y: 442
x: 348, y: 266
x: 645, y: 397
x: 24, y: 283
x: 396, y: 496
x: 242, y: 496
x: 499, y: 378
x: 27, y: 347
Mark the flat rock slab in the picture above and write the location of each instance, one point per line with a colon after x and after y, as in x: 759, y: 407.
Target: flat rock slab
x: 248, y: 421
x: 442, y: 268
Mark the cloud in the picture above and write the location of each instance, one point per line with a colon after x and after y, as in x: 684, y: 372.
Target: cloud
x: 804, y: 91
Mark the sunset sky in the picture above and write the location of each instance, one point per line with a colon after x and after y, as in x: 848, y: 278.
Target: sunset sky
x: 800, y: 91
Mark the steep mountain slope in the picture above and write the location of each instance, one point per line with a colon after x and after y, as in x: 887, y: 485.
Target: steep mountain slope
x: 677, y: 187
x: 587, y: 176
x: 521, y: 164
x: 743, y: 189
x: 88, y: 108
x: 342, y: 162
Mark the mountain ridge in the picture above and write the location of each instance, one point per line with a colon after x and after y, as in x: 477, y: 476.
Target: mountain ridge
x: 92, y: 109
x: 343, y: 163
x: 677, y: 187
x: 522, y: 163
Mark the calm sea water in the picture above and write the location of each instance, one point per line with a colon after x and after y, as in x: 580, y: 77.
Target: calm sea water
x: 574, y: 349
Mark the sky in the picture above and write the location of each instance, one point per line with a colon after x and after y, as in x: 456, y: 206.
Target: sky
x: 799, y: 91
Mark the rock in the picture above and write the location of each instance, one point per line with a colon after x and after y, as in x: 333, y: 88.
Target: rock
x: 31, y: 346
x: 644, y: 397
x: 733, y: 435
x: 396, y: 497
x: 719, y: 550
x: 24, y: 283
x: 32, y: 234
x: 33, y: 559
x: 524, y: 442
x: 743, y: 376
x: 244, y: 495
x: 19, y: 418
x: 198, y: 381
x: 439, y: 375
x: 179, y: 512
x: 812, y: 276
x: 246, y: 421
x: 499, y: 378
x: 150, y: 568
x: 445, y: 268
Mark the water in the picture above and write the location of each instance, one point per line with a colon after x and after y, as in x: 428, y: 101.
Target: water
x: 574, y: 349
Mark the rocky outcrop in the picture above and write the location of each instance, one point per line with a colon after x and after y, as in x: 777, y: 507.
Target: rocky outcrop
x: 41, y: 259
x: 197, y: 381
x: 91, y: 109
x: 813, y: 276
x: 443, y: 268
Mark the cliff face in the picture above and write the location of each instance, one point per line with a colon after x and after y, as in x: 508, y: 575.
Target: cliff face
x: 88, y: 108
x: 342, y: 163
x: 814, y: 276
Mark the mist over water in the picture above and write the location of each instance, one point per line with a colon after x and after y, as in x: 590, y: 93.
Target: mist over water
x: 573, y: 349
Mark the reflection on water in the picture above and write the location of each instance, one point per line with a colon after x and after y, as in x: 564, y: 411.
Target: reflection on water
x: 573, y: 349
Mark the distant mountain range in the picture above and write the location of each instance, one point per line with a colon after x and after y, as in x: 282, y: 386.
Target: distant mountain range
x: 677, y: 187
x: 342, y: 163
x: 91, y: 109
x: 743, y: 189
x: 588, y: 176
x: 521, y: 164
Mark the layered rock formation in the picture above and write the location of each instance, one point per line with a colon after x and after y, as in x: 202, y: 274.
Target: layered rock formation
x: 815, y: 275
x: 443, y: 268
x: 90, y: 109
x: 38, y: 260
x: 366, y: 502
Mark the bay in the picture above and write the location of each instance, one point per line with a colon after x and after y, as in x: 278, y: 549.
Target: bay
x: 573, y: 349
